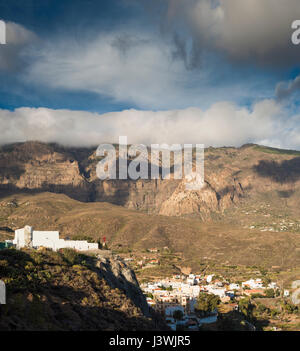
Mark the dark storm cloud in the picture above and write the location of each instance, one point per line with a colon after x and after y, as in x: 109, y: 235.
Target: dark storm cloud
x: 251, y: 31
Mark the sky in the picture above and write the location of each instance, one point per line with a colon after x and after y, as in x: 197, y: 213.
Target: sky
x: 212, y: 72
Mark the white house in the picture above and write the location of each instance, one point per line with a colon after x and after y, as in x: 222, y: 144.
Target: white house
x: 27, y: 237
x: 253, y: 284
x: 196, y: 290
x: 216, y: 291
x: 286, y: 293
x: 209, y: 278
x: 191, y: 281
x: 234, y: 286
x: 272, y: 285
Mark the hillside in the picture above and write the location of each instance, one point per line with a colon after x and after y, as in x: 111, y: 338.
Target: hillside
x: 227, y: 240
x: 70, y: 291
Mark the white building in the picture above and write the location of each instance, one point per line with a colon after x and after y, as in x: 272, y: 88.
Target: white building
x: 234, y: 286
x: 191, y: 281
x: 209, y: 278
x: 27, y: 237
x: 272, y: 285
x: 150, y: 302
x: 253, y: 284
x: 216, y: 291
x: 195, y: 290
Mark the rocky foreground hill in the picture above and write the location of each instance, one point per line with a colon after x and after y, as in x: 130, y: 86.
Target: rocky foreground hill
x: 70, y: 291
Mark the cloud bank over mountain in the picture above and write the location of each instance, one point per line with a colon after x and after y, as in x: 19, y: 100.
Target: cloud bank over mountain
x: 222, y: 124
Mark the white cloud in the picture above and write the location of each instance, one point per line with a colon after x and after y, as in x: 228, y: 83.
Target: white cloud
x: 123, y: 67
x: 222, y: 124
x: 137, y: 69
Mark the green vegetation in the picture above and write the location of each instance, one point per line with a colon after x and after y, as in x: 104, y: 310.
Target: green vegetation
x: 271, y: 150
x: 288, y: 307
x: 206, y: 303
x: 246, y: 307
x: 270, y: 293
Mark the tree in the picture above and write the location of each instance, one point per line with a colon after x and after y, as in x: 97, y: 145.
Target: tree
x: 257, y: 296
x: 246, y: 307
x: 261, y: 308
x: 288, y: 307
x: 270, y: 293
x: 178, y: 315
x: 207, y: 303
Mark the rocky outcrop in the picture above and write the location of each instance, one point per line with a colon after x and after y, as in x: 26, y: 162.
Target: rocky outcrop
x: 67, y: 291
x: 118, y: 275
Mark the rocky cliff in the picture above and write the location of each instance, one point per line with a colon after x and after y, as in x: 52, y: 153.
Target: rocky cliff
x: 231, y: 174
x: 120, y: 276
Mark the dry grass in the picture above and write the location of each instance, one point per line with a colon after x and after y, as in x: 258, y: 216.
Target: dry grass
x: 222, y: 241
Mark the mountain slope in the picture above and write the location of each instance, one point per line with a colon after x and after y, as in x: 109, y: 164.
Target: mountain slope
x: 226, y: 239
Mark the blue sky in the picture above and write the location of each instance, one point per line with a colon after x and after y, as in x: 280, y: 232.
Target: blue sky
x: 121, y: 55
x: 51, y: 19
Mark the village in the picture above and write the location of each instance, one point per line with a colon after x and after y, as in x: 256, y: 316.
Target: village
x: 173, y: 288
x: 181, y: 292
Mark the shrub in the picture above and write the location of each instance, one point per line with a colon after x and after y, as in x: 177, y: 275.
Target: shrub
x: 207, y: 303
x: 256, y: 295
x: 70, y: 256
x: 270, y: 293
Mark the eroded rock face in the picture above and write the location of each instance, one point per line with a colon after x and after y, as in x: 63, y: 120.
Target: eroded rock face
x: 39, y: 167
x: 230, y: 174
x: 120, y: 276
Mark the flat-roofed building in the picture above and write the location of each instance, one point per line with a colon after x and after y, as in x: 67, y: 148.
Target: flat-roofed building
x: 27, y: 237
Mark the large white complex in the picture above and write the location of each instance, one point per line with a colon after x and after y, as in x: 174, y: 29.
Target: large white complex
x: 27, y: 237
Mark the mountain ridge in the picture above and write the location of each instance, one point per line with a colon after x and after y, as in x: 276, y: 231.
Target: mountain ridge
x: 231, y: 174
